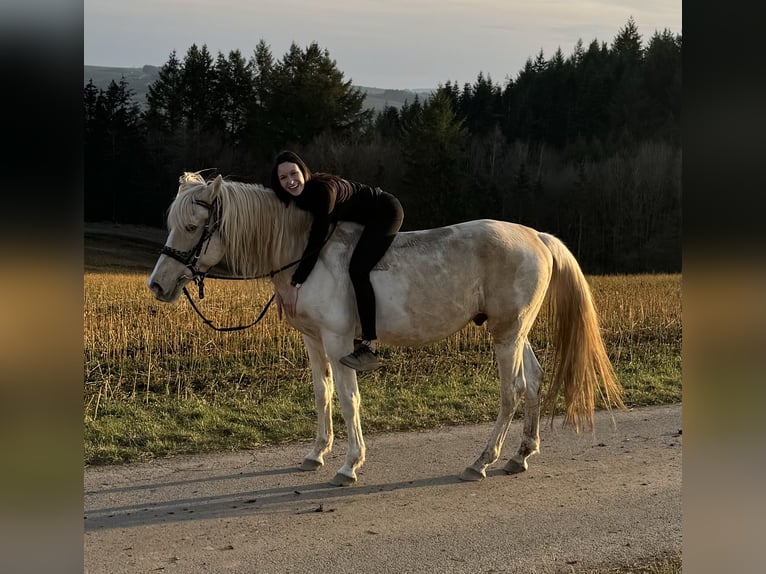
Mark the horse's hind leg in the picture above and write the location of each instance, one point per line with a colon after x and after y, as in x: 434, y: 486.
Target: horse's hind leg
x: 321, y: 374
x: 509, y: 357
x: 530, y: 442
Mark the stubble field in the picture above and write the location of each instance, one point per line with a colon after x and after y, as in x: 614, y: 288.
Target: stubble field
x: 158, y: 381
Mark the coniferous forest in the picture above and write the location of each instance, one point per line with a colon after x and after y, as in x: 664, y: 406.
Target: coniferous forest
x: 585, y: 146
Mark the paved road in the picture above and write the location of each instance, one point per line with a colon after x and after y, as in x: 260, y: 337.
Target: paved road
x: 603, y: 499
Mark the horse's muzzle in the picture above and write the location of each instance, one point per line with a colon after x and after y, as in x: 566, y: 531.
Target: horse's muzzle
x: 167, y: 295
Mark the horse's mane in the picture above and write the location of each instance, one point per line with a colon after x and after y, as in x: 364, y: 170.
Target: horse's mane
x: 259, y: 232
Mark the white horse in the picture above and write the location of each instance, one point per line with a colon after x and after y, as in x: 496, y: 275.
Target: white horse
x: 428, y: 285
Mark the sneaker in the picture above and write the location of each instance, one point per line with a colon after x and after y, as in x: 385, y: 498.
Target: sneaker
x: 362, y: 359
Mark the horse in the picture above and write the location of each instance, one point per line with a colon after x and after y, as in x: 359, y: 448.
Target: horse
x: 428, y: 285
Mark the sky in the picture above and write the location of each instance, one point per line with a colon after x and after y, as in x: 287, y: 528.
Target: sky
x: 393, y: 44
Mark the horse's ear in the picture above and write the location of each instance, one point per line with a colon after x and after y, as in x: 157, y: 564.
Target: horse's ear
x: 217, y: 183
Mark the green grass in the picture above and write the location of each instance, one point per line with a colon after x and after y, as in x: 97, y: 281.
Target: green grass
x: 157, y: 382
x: 237, y: 412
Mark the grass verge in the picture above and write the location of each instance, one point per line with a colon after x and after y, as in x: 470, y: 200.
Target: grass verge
x: 157, y: 382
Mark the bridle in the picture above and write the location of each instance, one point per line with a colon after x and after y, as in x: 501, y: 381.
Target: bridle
x: 191, y: 257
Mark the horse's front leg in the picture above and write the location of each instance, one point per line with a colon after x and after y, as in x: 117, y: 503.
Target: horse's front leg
x: 321, y: 374
x: 350, y: 401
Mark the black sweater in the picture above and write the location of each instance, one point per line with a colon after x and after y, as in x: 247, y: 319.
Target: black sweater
x: 330, y: 199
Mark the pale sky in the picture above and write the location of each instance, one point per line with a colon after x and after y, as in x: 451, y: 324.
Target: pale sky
x: 395, y: 44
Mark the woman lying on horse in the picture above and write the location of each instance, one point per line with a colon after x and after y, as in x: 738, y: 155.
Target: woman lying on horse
x: 330, y: 198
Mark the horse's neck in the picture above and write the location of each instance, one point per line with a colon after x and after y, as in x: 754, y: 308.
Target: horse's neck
x: 290, y: 237
x: 261, y: 235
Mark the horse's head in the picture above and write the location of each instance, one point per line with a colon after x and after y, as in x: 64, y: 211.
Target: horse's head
x: 194, y: 243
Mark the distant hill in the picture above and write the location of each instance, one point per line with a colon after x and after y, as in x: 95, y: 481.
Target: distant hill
x: 140, y: 79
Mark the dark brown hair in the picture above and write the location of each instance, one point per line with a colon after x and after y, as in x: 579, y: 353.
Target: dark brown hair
x: 287, y: 157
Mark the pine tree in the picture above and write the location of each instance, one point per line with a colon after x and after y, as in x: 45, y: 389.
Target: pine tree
x: 114, y: 147
x: 164, y: 98
x: 434, y: 148
x: 388, y: 124
x: 262, y: 66
x: 458, y: 100
x: 661, y: 81
x: 482, y: 107
x: 594, y: 90
x: 197, y: 90
x: 308, y: 96
x: 627, y: 105
x: 261, y: 131
x: 556, y: 100
x: 90, y: 101
x: 233, y: 92
x: 578, y: 53
x: 627, y: 45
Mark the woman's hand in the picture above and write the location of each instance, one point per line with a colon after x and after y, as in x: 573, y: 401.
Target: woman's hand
x: 290, y: 301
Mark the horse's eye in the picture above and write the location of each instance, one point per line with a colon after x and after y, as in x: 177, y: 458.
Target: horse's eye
x: 191, y: 228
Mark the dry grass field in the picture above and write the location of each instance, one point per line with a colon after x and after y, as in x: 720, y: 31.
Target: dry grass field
x: 158, y: 381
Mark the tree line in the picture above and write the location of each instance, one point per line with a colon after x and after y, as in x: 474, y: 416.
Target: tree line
x: 584, y: 146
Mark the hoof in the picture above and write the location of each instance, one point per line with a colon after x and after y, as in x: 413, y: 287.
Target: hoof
x: 342, y: 480
x: 310, y: 464
x: 515, y: 467
x: 470, y: 474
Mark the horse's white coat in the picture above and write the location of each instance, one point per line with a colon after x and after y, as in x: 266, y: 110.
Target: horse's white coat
x: 428, y: 285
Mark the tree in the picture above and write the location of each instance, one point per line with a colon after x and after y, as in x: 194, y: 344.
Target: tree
x: 594, y: 83
x: 481, y: 106
x: 197, y: 84
x: 164, y: 119
x: 306, y: 96
x: 661, y: 81
x: 627, y: 106
x: 607, y: 119
x: 90, y: 101
x: 114, y: 153
x: 388, y: 124
x: 434, y: 148
x: 165, y: 98
x: 626, y: 47
x: 578, y: 53
x: 233, y: 93
x: 260, y: 131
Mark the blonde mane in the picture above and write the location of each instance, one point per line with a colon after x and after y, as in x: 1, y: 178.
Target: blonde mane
x: 259, y: 232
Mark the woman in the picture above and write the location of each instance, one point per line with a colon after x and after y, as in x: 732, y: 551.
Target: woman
x: 330, y: 198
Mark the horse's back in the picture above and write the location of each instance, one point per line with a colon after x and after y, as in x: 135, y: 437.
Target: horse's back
x: 430, y: 283
x: 482, y: 244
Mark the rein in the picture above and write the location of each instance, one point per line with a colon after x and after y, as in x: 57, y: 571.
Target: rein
x: 209, y: 323
x: 191, y: 257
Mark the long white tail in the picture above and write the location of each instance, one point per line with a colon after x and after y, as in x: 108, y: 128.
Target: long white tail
x: 582, y: 366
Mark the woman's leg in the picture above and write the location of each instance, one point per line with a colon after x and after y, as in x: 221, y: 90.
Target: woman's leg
x: 375, y: 240
x: 370, y: 248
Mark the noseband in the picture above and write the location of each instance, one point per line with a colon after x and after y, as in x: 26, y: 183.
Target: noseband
x: 191, y: 257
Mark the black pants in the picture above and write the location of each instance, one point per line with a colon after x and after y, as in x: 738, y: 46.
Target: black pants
x: 379, y: 232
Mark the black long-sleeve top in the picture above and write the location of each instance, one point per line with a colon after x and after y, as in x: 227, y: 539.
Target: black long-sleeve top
x: 330, y: 199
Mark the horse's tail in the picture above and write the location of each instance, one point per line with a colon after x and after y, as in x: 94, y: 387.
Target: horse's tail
x: 581, y: 359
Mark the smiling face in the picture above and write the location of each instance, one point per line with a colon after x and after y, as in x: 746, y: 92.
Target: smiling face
x: 291, y: 178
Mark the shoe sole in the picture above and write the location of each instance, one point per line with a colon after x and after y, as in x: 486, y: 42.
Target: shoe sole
x: 361, y: 368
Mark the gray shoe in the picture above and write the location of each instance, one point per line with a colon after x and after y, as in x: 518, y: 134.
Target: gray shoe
x: 362, y: 359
